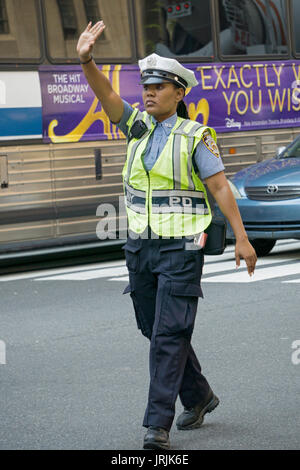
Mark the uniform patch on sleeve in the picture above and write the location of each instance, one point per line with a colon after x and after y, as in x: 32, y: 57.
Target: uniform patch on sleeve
x: 210, y: 144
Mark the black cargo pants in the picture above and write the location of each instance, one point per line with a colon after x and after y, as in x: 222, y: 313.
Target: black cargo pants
x: 164, y: 284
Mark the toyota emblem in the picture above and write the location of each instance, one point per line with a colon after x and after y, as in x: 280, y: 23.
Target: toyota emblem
x: 272, y: 189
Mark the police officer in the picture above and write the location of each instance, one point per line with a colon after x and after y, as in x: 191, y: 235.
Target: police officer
x: 168, y: 158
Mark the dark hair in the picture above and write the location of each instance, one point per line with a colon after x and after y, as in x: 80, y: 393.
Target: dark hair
x: 182, y: 110
x: 181, y: 107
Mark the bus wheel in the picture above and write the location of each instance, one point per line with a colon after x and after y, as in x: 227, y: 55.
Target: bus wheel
x: 262, y: 246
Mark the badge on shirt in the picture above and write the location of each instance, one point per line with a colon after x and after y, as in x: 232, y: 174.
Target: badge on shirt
x: 210, y: 144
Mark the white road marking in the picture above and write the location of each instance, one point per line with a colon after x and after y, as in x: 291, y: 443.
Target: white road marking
x: 230, y: 265
x: 241, y: 274
x: 124, y: 278
x: 260, y: 274
x: 50, y: 272
x: 85, y: 275
x: 284, y: 261
x: 264, y: 268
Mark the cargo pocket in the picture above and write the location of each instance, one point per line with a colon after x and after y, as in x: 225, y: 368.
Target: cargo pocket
x: 194, y: 259
x: 179, y: 310
x: 172, y: 255
x: 132, y: 256
x: 140, y: 321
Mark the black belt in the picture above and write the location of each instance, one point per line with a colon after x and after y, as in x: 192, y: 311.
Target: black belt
x: 149, y: 234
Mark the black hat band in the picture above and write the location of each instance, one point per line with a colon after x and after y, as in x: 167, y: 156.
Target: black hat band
x: 155, y: 73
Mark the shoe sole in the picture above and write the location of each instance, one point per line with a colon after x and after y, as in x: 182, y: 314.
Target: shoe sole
x: 207, y: 409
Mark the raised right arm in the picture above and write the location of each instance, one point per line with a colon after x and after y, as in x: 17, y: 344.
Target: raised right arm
x: 101, y: 86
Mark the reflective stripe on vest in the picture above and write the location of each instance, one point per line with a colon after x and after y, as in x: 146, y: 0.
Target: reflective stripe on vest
x: 135, y: 199
x: 170, y: 197
x: 176, y: 152
x: 147, y: 120
x: 188, y: 202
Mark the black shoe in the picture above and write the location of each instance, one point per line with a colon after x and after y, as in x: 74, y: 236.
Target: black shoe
x: 192, y: 418
x: 156, y: 438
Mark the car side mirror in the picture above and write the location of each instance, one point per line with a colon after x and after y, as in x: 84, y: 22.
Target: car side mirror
x: 279, y: 150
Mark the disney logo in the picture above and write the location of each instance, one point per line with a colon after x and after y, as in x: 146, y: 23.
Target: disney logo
x: 231, y: 123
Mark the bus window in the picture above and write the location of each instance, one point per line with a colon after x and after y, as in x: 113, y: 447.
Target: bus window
x: 296, y: 31
x: 19, y: 31
x: 252, y: 27
x: 172, y: 28
x: 66, y: 19
x: 92, y: 11
x: 4, y: 29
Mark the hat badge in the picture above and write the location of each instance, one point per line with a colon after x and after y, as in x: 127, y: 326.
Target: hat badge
x: 151, y: 61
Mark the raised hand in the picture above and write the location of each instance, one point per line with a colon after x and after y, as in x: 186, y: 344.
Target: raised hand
x: 88, y: 38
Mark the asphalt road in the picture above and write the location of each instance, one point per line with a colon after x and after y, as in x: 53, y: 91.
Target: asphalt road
x: 76, y: 368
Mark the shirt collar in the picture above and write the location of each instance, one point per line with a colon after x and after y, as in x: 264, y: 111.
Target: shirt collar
x: 168, y: 123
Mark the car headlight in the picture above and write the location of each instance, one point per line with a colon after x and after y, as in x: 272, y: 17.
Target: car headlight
x: 234, y: 190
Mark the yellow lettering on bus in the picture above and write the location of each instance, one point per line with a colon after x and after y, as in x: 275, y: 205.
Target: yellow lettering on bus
x: 237, y: 106
x: 92, y: 115
x: 228, y: 101
x: 246, y: 85
x: 296, y: 98
x: 296, y: 74
x: 205, y: 77
x: 257, y: 67
x: 219, y: 71
x: 258, y: 109
x: 278, y: 72
x: 232, y: 77
x: 268, y: 84
x: 202, y: 108
x: 277, y: 99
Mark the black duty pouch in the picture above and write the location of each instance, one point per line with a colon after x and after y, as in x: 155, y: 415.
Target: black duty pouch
x: 216, y: 237
x: 138, y: 129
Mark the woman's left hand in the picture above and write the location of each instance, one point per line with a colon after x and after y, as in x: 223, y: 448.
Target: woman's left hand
x: 220, y: 189
x: 244, y: 249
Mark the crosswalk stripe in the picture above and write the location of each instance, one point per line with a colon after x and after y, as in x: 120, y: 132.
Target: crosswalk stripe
x: 103, y: 272
x: 241, y: 274
x: 123, y: 278
x: 47, y: 273
x: 207, y: 270
x: 230, y: 265
x: 264, y: 273
x: 86, y: 275
x: 284, y: 261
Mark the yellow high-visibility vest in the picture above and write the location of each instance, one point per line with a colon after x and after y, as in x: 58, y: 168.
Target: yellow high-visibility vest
x: 170, y: 198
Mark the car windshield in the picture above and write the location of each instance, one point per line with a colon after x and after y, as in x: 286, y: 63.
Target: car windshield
x: 292, y: 151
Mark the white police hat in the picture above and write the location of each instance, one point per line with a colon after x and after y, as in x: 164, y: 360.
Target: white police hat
x: 157, y: 69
